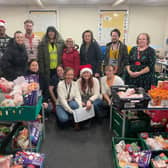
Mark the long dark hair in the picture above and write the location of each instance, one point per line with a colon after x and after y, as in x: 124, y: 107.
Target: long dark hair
x: 84, y: 84
x: 87, y: 31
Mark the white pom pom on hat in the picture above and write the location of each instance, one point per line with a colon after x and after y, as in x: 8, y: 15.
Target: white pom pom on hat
x: 86, y: 68
x: 2, y: 23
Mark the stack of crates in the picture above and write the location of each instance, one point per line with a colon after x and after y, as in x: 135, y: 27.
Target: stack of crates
x: 133, y: 125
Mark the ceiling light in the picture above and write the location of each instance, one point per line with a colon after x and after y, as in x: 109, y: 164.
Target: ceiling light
x: 117, y: 2
x: 40, y: 3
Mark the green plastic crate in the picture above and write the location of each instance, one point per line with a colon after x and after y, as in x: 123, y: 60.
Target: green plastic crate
x: 132, y: 126
x: 116, y: 140
x: 156, y: 153
x: 151, y: 135
x: 10, y: 150
x: 20, y: 113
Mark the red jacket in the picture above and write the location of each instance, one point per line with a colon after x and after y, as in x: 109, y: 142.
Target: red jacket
x: 71, y: 59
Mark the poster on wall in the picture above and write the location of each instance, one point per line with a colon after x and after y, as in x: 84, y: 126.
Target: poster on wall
x: 110, y: 19
x: 42, y: 19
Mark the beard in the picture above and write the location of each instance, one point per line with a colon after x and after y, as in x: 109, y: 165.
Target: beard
x: 114, y: 41
x: 28, y: 31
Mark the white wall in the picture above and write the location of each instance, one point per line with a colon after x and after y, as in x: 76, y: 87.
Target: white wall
x: 73, y: 20
x: 151, y: 20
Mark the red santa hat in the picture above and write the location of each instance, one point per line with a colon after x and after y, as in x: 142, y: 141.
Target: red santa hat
x: 3, y: 23
x: 86, y: 68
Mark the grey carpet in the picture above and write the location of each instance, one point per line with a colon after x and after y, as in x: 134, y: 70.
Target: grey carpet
x: 67, y: 148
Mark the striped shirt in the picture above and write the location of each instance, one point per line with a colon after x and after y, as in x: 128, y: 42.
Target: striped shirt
x: 31, y: 44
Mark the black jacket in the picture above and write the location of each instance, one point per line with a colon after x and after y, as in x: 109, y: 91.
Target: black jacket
x: 14, y: 61
x: 92, y: 56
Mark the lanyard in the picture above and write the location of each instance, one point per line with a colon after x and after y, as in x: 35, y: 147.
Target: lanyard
x: 118, y: 44
x: 68, y: 90
x: 139, y: 55
x: 30, y: 40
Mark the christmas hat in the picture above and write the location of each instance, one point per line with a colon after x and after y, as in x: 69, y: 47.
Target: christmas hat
x: 3, y: 23
x: 84, y: 68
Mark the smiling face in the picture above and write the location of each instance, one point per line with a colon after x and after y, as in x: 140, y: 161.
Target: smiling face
x: 142, y: 40
x: 51, y: 35
x: 69, y: 76
x: 19, y: 38
x: 114, y: 37
x: 86, y: 75
x: 34, y: 67
x: 87, y: 37
x: 69, y: 43
x: 109, y: 71
x: 60, y: 72
x: 2, y: 31
x: 28, y: 28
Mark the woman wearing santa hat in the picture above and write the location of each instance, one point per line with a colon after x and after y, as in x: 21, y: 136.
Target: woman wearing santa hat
x: 89, y: 89
x: 68, y: 97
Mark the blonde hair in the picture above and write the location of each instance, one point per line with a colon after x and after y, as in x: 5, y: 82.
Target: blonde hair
x: 147, y: 37
x: 69, y: 39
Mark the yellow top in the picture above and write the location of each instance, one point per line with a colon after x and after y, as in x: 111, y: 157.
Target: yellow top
x: 114, y: 54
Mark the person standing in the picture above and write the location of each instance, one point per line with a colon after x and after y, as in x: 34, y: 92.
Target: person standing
x: 141, y: 64
x: 31, y: 41
x: 90, y: 52
x: 4, y: 38
x: 49, y: 52
x: 70, y: 57
x: 14, y: 60
x: 116, y: 53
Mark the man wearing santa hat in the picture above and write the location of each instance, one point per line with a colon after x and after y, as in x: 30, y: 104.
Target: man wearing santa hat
x: 4, y: 39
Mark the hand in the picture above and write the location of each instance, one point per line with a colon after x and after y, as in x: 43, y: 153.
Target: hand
x: 45, y: 105
x: 83, y: 104
x: 88, y: 105
x: 134, y: 74
x: 109, y: 102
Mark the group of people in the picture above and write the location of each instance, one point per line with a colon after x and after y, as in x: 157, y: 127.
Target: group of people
x: 72, y: 78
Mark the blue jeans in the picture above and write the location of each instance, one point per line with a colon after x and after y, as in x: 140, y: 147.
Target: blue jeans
x: 98, y: 107
x: 64, y: 116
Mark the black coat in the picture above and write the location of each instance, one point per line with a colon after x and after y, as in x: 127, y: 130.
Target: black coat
x: 92, y: 56
x: 14, y: 61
